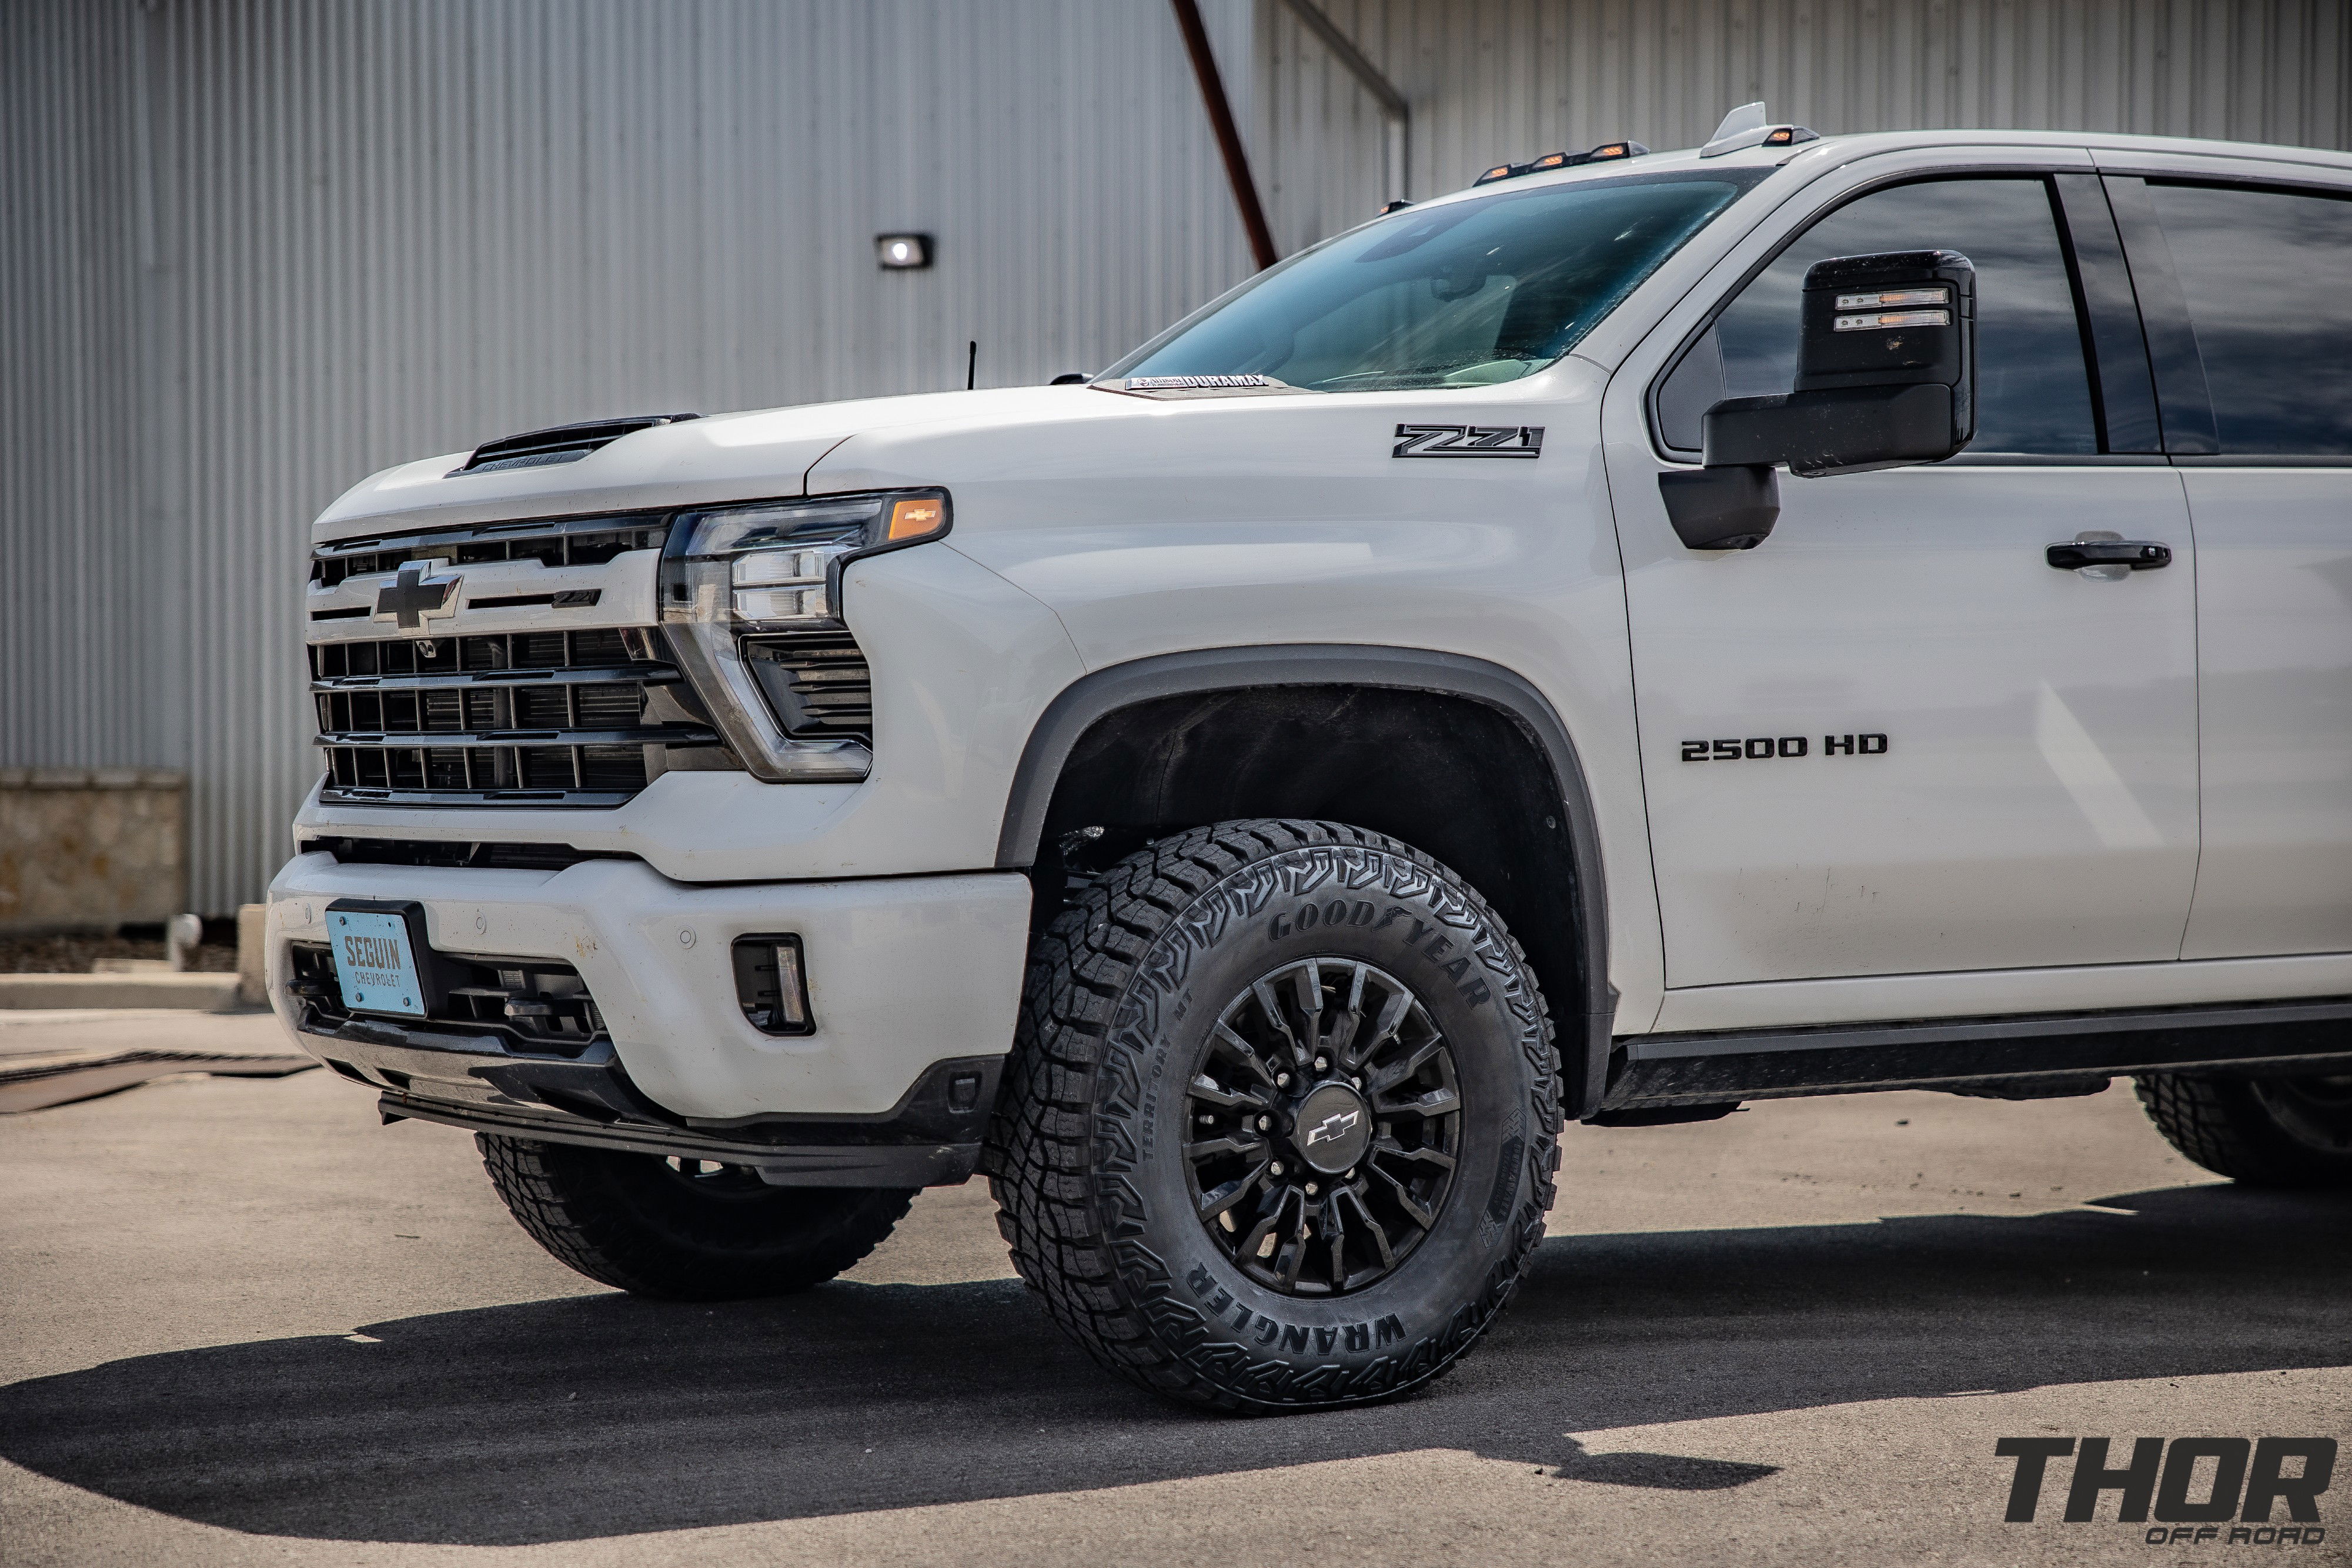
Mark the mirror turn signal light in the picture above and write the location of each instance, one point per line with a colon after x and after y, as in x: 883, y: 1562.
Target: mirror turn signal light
x: 1891, y: 299
x: 1878, y: 320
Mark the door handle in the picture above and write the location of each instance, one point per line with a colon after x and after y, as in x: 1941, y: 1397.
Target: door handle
x: 2138, y: 555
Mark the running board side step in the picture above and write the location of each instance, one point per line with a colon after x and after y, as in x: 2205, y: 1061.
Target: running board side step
x: 2292, y: 1039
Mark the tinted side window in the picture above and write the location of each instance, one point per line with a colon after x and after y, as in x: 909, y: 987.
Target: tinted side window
x: 2268, y: 274
x: 2033, y: 392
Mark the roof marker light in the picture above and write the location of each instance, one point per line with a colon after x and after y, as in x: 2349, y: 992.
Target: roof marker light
x: 1747, y: 126
x: 1552, y: 160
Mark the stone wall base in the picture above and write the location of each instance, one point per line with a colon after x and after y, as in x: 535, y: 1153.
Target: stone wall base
x: 91, y: 849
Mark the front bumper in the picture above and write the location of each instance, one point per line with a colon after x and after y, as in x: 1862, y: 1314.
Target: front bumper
x: 904, y: 975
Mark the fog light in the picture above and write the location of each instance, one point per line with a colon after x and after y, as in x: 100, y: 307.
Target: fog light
x: 772, y: 984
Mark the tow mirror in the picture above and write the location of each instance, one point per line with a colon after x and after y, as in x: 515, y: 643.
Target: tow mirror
x: 1886, y: 378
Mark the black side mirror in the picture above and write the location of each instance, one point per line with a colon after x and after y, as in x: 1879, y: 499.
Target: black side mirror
x: 1886, y: 378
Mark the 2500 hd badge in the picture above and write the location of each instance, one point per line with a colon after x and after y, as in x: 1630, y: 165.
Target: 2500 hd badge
x: 1763, y: 747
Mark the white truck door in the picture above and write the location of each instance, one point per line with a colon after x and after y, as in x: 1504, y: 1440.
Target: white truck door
x: 2247, y: 289
x: 1893, y: 738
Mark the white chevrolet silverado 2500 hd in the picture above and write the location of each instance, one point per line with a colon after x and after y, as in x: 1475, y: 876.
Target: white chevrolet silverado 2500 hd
x: 1241, y: 803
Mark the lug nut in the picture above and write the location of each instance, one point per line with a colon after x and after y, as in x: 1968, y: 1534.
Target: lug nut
x: 1350, y: 1176
x: 1282, y: 1081
x: 1310, y: 1189
x: 1355, y: 1084
x: 1265, y: 1123
x: 1274, y: 1168
x: 1321, y: 1063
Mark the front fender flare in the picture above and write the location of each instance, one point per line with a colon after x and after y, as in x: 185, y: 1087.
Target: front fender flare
x: 1103, y: 692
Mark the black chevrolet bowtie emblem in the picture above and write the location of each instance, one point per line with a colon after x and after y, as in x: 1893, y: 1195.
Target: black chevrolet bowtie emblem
x: 412, y: 596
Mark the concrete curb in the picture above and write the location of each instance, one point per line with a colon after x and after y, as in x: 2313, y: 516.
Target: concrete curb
x: 182, y: 992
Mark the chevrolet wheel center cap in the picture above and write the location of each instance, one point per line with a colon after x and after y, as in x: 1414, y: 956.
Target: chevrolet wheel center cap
x: 1333, y: 1129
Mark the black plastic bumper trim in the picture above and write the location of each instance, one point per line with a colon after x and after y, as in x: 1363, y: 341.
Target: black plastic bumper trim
x: 932, y: 1138
x: 843, y: 1164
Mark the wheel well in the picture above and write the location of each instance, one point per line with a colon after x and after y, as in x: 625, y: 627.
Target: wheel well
x: 1460, y: 779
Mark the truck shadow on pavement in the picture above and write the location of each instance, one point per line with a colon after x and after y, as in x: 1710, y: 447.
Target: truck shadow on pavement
x: 600, y: 1415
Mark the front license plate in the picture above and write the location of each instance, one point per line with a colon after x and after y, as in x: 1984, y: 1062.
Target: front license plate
x: 375, y: 963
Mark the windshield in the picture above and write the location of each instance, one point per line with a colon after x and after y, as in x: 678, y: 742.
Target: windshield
x: 1467, y: 294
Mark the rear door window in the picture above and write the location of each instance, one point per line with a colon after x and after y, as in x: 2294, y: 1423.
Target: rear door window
x: 2033, y: 393
x: 2268, y: 277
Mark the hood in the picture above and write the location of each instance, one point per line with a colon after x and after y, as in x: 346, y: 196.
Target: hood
x: 725, y: 457
x: 1009, y: 454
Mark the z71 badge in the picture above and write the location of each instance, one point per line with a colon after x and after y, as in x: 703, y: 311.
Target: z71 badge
x: 1468, y: 441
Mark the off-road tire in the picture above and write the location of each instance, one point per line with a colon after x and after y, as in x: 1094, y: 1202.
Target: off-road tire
x: 1087, y: 1153
x: 2262, y: 1131
x: 634, y: 1222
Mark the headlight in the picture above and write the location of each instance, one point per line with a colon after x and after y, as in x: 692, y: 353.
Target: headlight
x: 740, y: 584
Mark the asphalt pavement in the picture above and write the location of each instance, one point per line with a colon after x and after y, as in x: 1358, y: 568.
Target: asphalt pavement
x: 242, y: 1322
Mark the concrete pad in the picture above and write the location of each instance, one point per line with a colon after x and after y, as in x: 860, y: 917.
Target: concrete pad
x: 241, y: 1322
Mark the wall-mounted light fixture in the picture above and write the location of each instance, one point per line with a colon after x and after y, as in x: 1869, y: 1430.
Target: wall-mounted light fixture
x: 902, y: 253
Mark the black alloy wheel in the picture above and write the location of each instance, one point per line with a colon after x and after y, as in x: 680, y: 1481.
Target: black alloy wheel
x: 1326, y: 1125
x: 2314, y: 1112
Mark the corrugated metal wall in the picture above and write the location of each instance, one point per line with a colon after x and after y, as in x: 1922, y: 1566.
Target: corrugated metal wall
x: 1495, y: 79
x: 252, y: 250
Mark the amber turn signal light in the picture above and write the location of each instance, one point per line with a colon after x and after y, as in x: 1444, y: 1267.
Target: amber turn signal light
x: 914, y: 518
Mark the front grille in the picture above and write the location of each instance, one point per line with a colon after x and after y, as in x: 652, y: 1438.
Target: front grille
x: 542, y: 718
x: 817, y: 683
x: 534, y: 1005
x: 580, y: 542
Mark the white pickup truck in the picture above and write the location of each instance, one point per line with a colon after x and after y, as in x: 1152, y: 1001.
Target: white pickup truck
x: 1243, y: 800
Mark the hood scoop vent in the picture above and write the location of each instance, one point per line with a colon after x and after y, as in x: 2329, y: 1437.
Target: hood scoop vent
x: 562, y: 443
